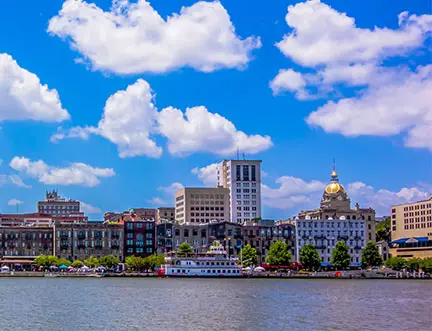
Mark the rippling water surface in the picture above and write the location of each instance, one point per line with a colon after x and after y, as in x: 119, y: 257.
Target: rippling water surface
x: 212, y: 304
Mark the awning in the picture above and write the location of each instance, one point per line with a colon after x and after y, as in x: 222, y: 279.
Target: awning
x: 325, y: 264
x: 410, y: 240
x: 355, y: 264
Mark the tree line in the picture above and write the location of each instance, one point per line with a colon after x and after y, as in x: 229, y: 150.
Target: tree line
x: 134, y: 263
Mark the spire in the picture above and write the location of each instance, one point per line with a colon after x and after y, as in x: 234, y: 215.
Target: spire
x: 334, y: 175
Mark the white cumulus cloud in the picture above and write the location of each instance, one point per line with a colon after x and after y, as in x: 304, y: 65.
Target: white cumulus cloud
x: 132, y: 121
x: 132, y: 37
x: 74, y: 174
x: 207, y: 175
x: 171, y: 189
x: 390, y: 99
x: 157, y: 201
x: 14, y: 202
x: 23, y: 97
x: 89, y: 209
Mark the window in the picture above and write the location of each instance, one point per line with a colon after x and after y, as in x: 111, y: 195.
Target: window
x: 139, y: 225
x: 253, y: 173
x: 238, y: 175
x: 149, y: 250
x: 149, y: 235
x: 245, y: 172
x: 129, y: 226
x: 130, y: 235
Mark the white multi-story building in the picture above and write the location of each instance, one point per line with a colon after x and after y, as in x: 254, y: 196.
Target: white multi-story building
x: 324, y: 234
x: 243, y: 179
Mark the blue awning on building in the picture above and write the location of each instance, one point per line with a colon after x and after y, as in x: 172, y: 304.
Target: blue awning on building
x: 325, y: 264
x: 355, y: 264
x: 404, y: 240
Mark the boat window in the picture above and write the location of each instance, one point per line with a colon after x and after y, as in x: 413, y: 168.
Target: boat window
x: 212, y: 263
x: 197, y: 263
x: 184, y: 271
x: 214, y: 271
x: 222, y: 263
x: 218, y: 271
x: 208, y: 271
x: 178, y: 270
x: 217, y: 263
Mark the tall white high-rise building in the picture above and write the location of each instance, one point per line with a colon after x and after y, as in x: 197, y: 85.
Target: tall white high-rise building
x: 243, y: 178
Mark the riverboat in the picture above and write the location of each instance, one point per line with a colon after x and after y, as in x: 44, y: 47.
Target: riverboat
x: 214, y: 263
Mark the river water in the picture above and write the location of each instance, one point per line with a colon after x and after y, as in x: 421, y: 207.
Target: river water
x: 53, y: 304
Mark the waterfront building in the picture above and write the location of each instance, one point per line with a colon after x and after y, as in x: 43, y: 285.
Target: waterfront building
x: 324, y: 234
x: 57, y: 206
x: 335, y: 205
x: 29, y: 219
x: 201, y: 205
x: 164, y: 237
x: 25, y: 242
x: 82, y: 240
x: 383, y: 249
x: 232, y: 236
x: 139, y: 233
x: 411, y: 229
x: 243, y: 179
x: 165, y: 214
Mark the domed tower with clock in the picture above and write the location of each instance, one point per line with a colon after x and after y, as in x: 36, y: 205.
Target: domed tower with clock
x: 335, y: 196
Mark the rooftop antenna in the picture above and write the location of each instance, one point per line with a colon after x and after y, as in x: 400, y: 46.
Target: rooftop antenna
x: 244, y: 157
x: 334, y: 164
x: 238, y: 153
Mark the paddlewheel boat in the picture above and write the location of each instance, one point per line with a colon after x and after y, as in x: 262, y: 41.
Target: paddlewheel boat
x: 214, y: 263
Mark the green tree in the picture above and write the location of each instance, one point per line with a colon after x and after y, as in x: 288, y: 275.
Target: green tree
x: 77, y: 264
x: 109, y: 261
x: 426, y: 265
x: 249, y: 256
x: 371, y: 256
x: 92, y: 262
x: 153, y: 261
x: 309, y: 257
x: 46, y: 261
x: 136, y: 263
x: 184, y: 247
x: 340, y: 258
x: 383, y: 230
x: 396, y: 263
x: 62, y: 261
x: 279, y: 254
x: 414, y: 264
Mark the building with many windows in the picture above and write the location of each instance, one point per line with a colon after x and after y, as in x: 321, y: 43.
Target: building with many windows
x: 26, y: 241
x: 139, y: 237
x: 324, y: 234
x: 61, y: 209
x: 165, y: 214
x: 202, y: 205
x: 82, y: 240
x: 411, y: 229
x: 243, y: 179
x: 335, y: 205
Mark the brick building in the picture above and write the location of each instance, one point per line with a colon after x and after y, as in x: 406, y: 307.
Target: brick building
x: 26, y: 241
x: 79, y: 241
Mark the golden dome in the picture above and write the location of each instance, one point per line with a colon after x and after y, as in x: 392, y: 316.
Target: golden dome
x: 334, y: 173
x: 334, y: 187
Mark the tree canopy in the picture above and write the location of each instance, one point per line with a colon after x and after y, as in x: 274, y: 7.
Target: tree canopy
x: 309, y: 257
x: 136, y: 263
x: 340, y: 258
x: 371, y: 256
x: 249, y: 256
x: 184, y: 247
x: 92, y: 262
x: 396, y: 263
x: 63, y: 261
x: 109, y: 261
x: 279, y: 254
x: 46, y: 261
x: 77, y: 264
x: 383, y: 230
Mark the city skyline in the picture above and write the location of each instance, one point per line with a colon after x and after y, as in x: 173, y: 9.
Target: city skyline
x: 130, y: 129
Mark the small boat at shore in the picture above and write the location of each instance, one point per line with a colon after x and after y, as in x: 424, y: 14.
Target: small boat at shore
x: 50, y: 275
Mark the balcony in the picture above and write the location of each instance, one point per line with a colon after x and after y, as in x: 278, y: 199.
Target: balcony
x: 64, y: 245
x: 115, y: 235
x: 342, y: 238
x: 320, y: 247
x: 64, y: 235
x: 81, y: 236
x: 98, y: 235
x: 320, y: 237
x: 115, y: 246
x: 358, y: 247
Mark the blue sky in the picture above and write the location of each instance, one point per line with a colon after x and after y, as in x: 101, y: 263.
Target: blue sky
x: 355, y: 87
